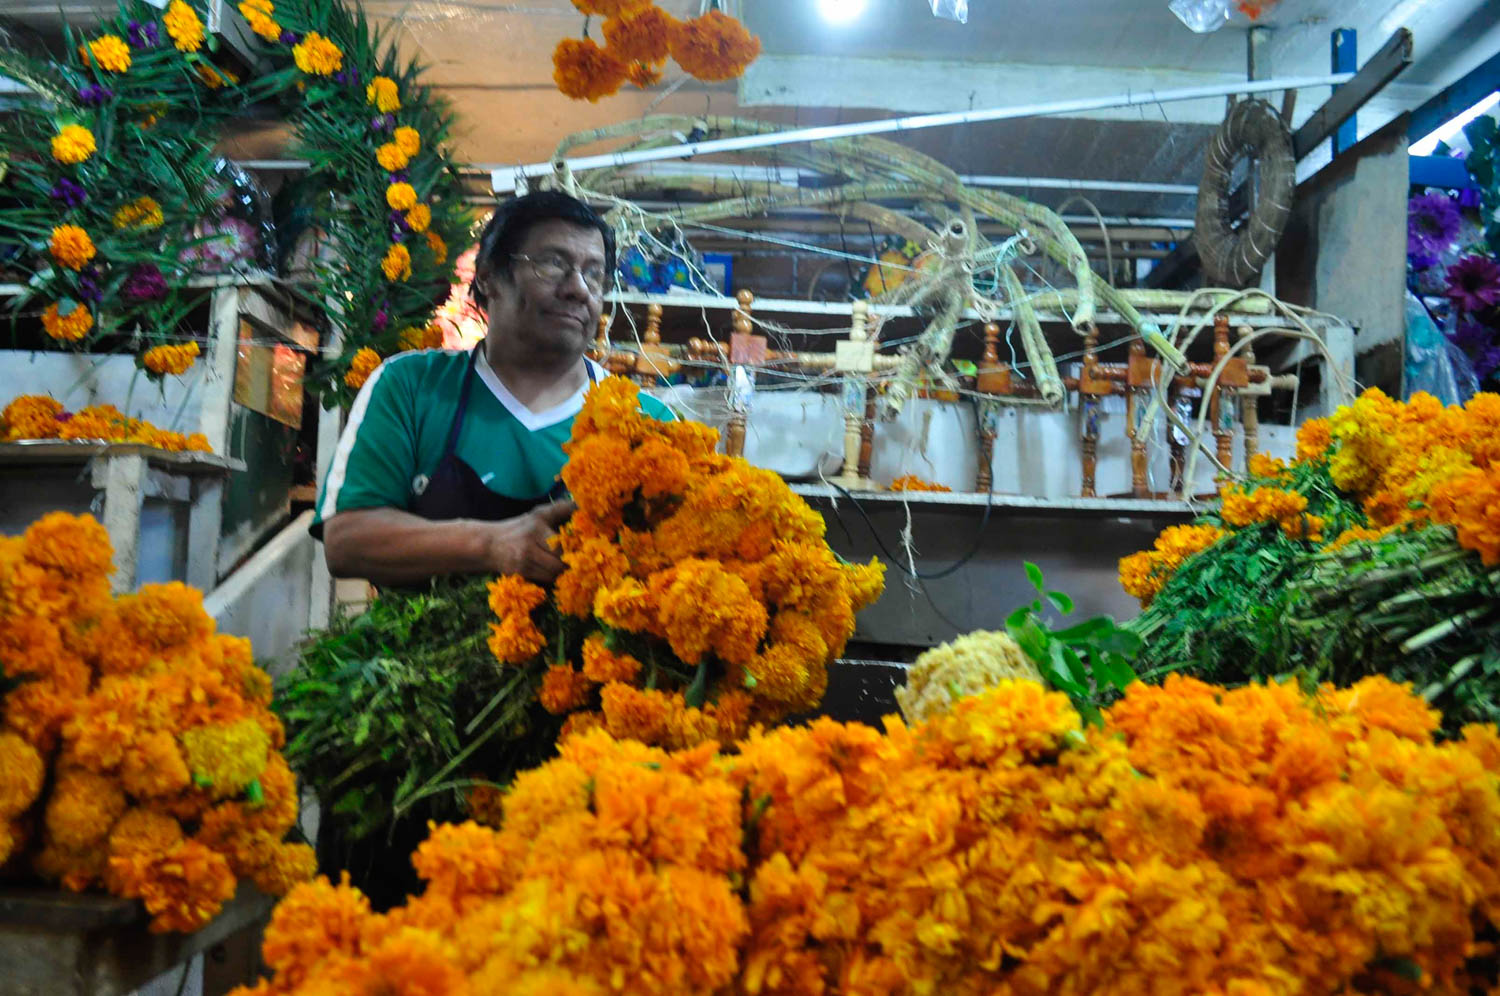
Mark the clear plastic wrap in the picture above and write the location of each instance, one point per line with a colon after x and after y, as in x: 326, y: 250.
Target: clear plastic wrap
x: 1201, y: 16
x: 952, y: 10
x: 1433, y: 362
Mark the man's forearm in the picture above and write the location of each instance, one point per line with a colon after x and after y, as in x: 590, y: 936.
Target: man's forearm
x: 390, y: 546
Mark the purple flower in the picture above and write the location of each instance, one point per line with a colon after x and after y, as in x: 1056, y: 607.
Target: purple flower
x: 341, y: 77
x: 88, y: 286
x: 1432, y: 223
x: 377, y: 123
x: 1474, y: 283
x: 1472, y: 336
x: 390, y: 120
x: 1487, y: 361
x: 71, y: 194
x: 289, y: 38
x: 93, y: 95
x: 145, y: 283
x: 400, y: 176
x: 142, y: 35
x: 380, y: 321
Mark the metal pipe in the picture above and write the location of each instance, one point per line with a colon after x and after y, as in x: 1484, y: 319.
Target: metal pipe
x: 505, y: 178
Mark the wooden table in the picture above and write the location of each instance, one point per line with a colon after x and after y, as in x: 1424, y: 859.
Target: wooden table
x: 56, y: 943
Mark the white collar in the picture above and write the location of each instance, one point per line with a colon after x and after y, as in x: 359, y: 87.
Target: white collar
x: 528, y: 418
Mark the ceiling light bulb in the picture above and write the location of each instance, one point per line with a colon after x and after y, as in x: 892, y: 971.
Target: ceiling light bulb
x: 840, y: 11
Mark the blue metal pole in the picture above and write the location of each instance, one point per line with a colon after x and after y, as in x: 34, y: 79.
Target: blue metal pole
x: 1345, y: 60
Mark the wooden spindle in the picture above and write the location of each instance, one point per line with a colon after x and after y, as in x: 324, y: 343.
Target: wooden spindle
x: 1089, y: 412
x: 1138, y: 478
x: 1219, y: 405
x: 1249, y: 405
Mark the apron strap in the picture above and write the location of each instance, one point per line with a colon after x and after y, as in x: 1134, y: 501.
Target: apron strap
x: 451, y: 444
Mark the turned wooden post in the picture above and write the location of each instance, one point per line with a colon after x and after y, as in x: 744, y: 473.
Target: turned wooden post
x: 1138, y: 478
x: 1176, y: 447
x: 867, y: 435
x: 1090, y: 413
x: 599, y: 351
x: 1249, y: 405
x: 655, y: 362
x: 742, y: 341
x: 993, y: 379
x: 1218, y: 407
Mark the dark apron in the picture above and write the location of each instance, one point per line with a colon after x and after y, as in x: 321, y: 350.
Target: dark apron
x: 454, y: 491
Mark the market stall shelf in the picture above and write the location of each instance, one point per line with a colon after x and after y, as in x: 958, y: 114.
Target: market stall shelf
x: 162, y: 509
x: 61, y: 944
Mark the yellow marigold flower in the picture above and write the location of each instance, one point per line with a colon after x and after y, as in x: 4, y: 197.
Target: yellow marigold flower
x: 69, y: 326
x: 163, y: 360
x: 213, y: 77
x: 364, y: 363
x: 382, y: 92
x: 1240, y: 509
x: 391, y: 158
x: 183, y: 26
x: 419, y: 217
x: 21, y: 774
x: 257, y: 13
x: 317, y: 56
x: 438, y: 247
x: 400, y: 196
x: 1304, y: 527
x: 73, y: 144
x: 397, y: 263
x: 110, y: 53
x: 1265, y: 465
x: 225, y: 759
x: 143, y: 212
x: 71, y: 246
x: 408, y: 140
x: 1313, y: 440
x: 82, y: 808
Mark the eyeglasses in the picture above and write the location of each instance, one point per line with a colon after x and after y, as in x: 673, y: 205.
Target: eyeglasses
x: 554, y: 269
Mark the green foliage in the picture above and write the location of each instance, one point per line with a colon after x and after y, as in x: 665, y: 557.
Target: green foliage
x: 1089, y: 661
x: 1483, y: 163
x: 393, y: 714
x: 1259, y: 605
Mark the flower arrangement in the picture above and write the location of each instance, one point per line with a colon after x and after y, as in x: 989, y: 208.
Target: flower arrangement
x: 137, y: 746
x: 111, y: 167
x: 1372, y: 552
x: 639, y: 36
x: 1259, y: 839
x: 699, y: 595
x: 37, y: 416
x: 911, y: 482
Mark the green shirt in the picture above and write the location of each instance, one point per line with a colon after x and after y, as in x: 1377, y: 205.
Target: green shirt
x: 394, y: 438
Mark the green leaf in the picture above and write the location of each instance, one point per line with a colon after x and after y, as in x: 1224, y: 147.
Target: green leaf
x: 1034, y: 574
x: 1063, y: 602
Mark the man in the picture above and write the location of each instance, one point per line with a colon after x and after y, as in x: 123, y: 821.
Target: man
x: 450, y: 459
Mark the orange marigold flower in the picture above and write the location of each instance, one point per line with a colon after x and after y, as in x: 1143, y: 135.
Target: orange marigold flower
x: 911, y: 482
x: 628, y: 606
x: 143, y: 212
x: 515, y: 639
x: 30, y: 416
x: 584, y: 71
x: 82, y: 808
x: 144, y: 831
x: 713, y: 46
x: 602, y: 665
x: 360, y: 367
x: 419, y: 217
x: 153, y: 767
x: 71, y: 246
x: 314, y: 921
x: 67, y: 326
x: 183, y: 888
x: 1304, y: 527
x: 563, y: 689
x: 609, y: 8
x: 1313, y: 440
x: 1470, y: 503
x: 637, y: 713
x: 257, y: 13
x: 639, y: 35
x: 21, y: 774
x: 643, y: 75
x: 438, y: 247
x: 289, y: 864
x: 163, y: 360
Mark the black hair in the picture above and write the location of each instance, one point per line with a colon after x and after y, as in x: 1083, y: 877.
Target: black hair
x: 511, y: 221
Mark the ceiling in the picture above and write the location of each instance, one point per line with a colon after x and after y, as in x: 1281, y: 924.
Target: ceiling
x: 493, y: 61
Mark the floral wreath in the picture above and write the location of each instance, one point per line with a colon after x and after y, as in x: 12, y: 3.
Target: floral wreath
x: 109, y: 171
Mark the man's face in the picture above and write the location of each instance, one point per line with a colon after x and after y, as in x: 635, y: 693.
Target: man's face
x: 537, y: 316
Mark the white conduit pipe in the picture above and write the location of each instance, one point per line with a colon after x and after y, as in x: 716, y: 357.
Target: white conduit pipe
x: 505, y: 179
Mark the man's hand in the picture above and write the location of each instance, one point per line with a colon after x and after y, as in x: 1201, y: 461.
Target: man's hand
x: 519, y: 545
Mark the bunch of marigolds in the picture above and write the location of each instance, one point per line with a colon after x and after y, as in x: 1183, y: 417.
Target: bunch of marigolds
x: 137, y: 747
x: 699, y: 595
x: 1404, y: 463
x: 1260, y: 840
x: 37, y: 416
